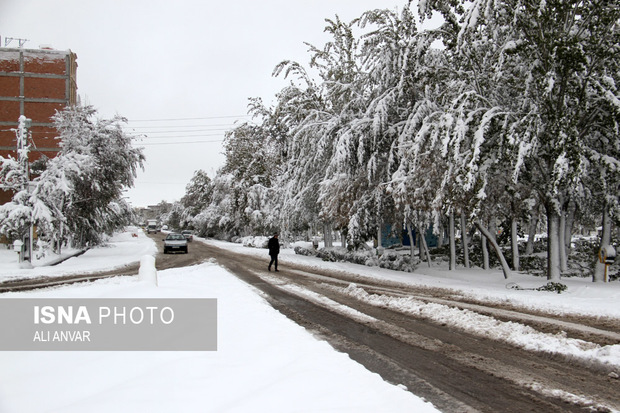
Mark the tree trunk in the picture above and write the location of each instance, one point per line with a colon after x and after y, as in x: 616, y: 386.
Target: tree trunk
x: 452, y: 243
x: 464, y: 240
x: 570, y: 223
x: 411, y: 242
x: 441, y: 235
x: 514, y: 238
x: 418, y: 238
x: 485, y: 252
x: 424, y: 246
x: 493, y: 229
x: 599, y: 267
x: 562, y: 243
x: 61, y: 224
x: 488, y: 235
x: 379, y: 236
x: 553, y: 244
x: 328, y: 235
x: 531, y: 235
x: 59, y: 240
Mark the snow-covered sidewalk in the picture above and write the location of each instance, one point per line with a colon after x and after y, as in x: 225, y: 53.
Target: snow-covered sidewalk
x: 122, y: 249
x: 264, y: 361
x: 582, y: 296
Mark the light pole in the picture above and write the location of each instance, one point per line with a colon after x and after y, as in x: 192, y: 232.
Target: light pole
x: 22, y: 155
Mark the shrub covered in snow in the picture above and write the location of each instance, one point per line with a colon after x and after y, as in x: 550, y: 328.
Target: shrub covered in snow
x: 394, y: 260
x: 304, y: 251
x: 252, y: 241
x: 553, y: 286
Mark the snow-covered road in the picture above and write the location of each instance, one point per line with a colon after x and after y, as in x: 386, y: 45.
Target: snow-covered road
x: 441, y: 351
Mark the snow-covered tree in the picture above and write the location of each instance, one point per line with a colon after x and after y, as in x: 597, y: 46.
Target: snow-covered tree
x: 217, y: 219
x: 300, y: 110
x: 16, y: 216
x: 543, y: 59
x: 517, y: 111
x: 78, y: 195
x: 343, y: 198
x: 198, y: 193
x: 108, y: 164
x: 252, y: 162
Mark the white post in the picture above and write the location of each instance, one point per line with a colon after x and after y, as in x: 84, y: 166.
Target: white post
x: 17, y: 247
x: 147, y: 271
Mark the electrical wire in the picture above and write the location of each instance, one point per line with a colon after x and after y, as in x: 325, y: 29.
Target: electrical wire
x: 185, y: 119
x: 180, y: 126
x: 184, y: 131
x: 176, y: 135
x: 176, y: 143
x: 171, y: 131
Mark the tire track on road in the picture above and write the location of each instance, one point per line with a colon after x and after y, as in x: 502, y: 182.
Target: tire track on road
x: 452, y: 369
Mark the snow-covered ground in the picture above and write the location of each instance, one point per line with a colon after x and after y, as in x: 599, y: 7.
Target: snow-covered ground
x: 582, y: 296
x: 122, y: 249
x: 264, y: 361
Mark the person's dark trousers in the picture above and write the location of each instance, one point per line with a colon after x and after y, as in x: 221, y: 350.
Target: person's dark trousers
x: 274, y: 260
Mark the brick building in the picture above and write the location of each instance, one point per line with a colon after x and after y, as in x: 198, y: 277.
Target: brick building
x: 34, y: 83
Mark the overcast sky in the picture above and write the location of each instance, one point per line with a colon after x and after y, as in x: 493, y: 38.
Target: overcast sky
x: 159, y: 63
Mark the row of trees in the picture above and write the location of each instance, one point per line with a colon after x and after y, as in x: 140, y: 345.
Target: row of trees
x: 514, y: 114
x: 77, y: 195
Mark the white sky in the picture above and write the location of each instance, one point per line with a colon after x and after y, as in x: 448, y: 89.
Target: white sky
x: 158, y: 59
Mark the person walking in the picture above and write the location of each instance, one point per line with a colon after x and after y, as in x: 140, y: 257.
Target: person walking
x: 274, y: 250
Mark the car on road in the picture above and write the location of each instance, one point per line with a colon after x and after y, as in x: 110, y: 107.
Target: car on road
x: 175, y: 242
x: 189, y: 235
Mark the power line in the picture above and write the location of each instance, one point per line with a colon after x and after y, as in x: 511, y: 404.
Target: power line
x: 183, y: 119
x: 172, y: 137
x: 160, y: 183
x: 176, y: 135
x: 176, y: 143
x: 183, y: 131
x: 180, y: 126
x: 145, y: 135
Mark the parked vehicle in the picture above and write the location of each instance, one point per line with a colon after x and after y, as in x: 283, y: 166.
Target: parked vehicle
x: 189, y: 235
x: 175, y: 242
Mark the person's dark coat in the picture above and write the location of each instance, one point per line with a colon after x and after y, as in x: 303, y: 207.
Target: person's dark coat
x: 274, y: 246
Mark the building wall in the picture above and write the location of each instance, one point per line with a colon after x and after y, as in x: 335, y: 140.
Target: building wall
x: 35, y: 83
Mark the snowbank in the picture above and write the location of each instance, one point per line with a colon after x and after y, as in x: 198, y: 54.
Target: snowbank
x: 485, y: 326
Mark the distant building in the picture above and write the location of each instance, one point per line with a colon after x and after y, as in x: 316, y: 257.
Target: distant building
x: 34, y: 83
x: 152, y: 212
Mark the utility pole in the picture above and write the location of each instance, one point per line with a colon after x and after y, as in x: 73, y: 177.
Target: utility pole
x: 23, y: 147
x: 8, y: 40
x: 22, y: 156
